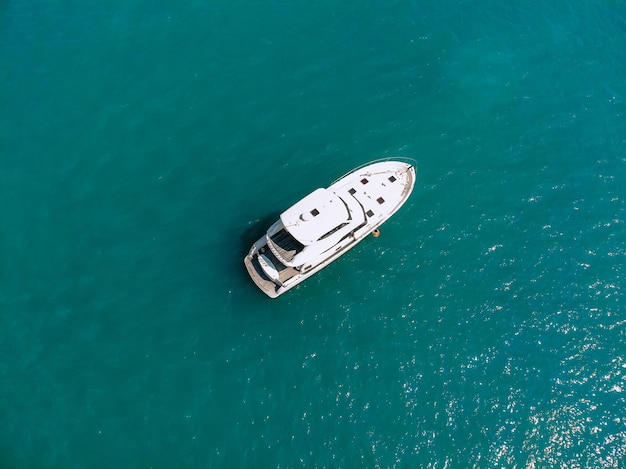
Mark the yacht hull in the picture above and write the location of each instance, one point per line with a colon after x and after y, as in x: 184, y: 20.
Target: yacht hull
x: 327, y: 223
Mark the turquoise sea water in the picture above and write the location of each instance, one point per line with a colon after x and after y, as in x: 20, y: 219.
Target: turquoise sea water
x: 145, y: 144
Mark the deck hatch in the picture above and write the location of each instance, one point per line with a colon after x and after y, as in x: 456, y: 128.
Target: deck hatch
x: 315, y: 212
x: 364, y: 181
x: 380, y: 200
x: 352, y: 191
x: 369, y: 213
x: 392, y: 179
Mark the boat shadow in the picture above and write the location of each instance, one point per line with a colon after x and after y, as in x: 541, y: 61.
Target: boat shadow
x: 255, y: 230
x: 248, y: 235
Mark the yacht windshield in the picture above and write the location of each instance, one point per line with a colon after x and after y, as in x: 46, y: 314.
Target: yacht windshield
x: 286, y: 245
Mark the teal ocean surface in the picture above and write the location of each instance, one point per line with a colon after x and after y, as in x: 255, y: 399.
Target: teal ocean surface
x: 144, y: 145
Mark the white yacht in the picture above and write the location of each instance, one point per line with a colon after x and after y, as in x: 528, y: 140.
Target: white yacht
x: 326, y: 223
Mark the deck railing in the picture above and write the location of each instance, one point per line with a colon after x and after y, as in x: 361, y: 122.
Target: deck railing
x: 402, y: 159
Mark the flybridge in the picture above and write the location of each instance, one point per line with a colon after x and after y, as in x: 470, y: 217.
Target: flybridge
x: 316, y: 214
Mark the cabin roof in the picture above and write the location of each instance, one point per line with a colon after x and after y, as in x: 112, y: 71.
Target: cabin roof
x: 314, y: 216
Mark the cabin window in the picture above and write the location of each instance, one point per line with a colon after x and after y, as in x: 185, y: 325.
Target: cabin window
x: 334, y: 230
x: 392, y: 179
x: 380, y: 200
x: 347, y: 208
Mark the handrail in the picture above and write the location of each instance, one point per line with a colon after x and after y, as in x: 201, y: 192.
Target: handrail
x: 403, y: 159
